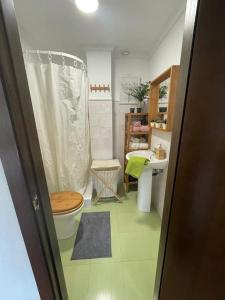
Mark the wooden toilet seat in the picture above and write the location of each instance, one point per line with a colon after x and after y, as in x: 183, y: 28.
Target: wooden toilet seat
x: 65, y: 202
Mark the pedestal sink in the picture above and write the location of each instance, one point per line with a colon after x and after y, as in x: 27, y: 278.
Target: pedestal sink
x: 145, y: 180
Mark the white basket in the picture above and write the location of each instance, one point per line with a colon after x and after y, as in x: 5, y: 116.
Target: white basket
x: 106, y: 175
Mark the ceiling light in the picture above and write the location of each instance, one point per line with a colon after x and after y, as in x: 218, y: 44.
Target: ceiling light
x: 87, y: 6
x: 125, y: 52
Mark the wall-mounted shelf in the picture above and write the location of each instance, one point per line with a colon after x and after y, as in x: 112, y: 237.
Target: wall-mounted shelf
x: 135, y: 114
x: 172, y: 74
x: 161, y: 129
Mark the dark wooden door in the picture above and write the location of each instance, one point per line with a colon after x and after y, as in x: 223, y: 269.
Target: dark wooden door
x: 194, y: 264
x: 22, y: 162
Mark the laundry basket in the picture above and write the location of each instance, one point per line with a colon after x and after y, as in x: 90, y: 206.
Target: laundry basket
x: 107, y: 175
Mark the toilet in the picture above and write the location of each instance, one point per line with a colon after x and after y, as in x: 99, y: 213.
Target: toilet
x: 65, y: 206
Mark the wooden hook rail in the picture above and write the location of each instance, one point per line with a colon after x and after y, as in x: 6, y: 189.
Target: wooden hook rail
x: 99, y: 88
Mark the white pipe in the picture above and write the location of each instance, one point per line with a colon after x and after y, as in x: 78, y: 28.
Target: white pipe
x: 55, y: 53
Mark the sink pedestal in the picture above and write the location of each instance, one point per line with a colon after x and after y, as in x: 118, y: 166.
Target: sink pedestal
x: 145, y: 190
x: 145, y: 180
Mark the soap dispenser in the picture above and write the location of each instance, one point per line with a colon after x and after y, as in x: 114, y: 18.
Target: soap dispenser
x: 160, y: 153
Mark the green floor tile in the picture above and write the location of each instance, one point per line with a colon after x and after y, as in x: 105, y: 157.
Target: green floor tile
x: 139, y: 246
x: 109, y: 205
x: 138, y: 222
x: 130, y: 273
x: 106, y: 282
x: 77, y: 281
x: 129, y: 204
x: 139, y: 278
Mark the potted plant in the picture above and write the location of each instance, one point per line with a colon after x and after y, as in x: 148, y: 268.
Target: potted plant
x: 164, y: 122
x: 132, y: 110
x: 139, y: 92
x: 139, y: 109
x: 152, y: 123
x: 158, y: 123
x: 163, y: 91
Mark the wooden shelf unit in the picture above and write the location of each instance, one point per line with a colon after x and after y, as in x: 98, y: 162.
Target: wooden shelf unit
x: 140, y: 133
x: 129, y: 118
x: 172, y: 73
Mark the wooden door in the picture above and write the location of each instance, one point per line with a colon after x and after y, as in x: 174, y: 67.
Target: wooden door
x: 22, y: 162
x: 194, y: 260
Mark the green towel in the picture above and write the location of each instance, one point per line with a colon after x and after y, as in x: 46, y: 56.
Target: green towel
x: 135, y: 166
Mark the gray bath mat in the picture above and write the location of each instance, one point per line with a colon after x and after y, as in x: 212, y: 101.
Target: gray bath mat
x: 93, y: 238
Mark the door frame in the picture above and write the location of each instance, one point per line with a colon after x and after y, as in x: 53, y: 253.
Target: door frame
x: 184, y: 74
x: 17, y: 121
x: 22, y: 201
x: 19, y: 105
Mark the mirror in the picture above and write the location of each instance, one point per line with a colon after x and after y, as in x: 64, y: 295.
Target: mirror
x: 163, y: 96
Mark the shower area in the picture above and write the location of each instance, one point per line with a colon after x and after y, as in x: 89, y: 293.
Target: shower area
x: 58, y: 85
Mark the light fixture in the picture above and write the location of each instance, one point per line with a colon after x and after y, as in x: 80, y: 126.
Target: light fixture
x: 87, y: 6
x: 125, y: 52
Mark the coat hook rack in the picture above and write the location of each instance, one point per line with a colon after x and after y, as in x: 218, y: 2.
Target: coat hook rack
x: 99, y: 88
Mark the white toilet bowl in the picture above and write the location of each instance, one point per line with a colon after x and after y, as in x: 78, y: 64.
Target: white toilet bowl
x: 65, y: 224
x: 65, y: 207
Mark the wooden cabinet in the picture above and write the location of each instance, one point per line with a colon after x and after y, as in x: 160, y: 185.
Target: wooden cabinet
x: 144, y: 138
x: 162, y: 97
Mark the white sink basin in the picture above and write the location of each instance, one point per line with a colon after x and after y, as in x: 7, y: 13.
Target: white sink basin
x: 154, y: 162
x: 145, y: 180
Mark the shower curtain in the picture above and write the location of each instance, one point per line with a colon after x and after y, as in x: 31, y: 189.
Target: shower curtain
x: 59, y: 96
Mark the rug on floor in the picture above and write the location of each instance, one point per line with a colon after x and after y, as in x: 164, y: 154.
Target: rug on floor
x: 93, y: 238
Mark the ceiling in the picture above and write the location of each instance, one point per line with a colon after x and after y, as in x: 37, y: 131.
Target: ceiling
x: 122, y: 24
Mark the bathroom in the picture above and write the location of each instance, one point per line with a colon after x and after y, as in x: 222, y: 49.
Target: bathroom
x: 97, y: 55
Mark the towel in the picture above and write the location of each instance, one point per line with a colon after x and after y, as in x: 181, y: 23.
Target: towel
x: 144, y: 128
x: 137, y: 124
x: 138, y: 145
x: 135, y: 166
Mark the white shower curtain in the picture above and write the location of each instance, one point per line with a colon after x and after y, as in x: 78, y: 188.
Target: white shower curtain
x: 59, y: 96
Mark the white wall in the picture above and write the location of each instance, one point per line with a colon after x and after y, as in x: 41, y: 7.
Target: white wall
x: 99, y: 71
x: 123, y: 67
x: 16, y: 276
x: 101, y: 129
x: 107, y: 117
x: 167, y: 53
x: 99, y: 66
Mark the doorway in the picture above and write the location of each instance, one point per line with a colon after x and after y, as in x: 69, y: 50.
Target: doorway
x: 134, y: 234
x: 177, y: 131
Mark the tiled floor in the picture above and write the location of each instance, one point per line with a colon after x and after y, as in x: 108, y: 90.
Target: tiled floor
x: 130, y: 273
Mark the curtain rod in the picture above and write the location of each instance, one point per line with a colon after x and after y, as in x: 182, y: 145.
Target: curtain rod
x: 54, y: 53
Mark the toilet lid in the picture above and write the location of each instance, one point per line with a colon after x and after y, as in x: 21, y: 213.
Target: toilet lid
x: 65, y: 201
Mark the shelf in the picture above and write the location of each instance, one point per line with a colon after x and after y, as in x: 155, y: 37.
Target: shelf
x: 172, y: 74
x: 161, y: 129
x: 139, y: 132
x: 135, y: 181
x: 129, y: 118
x: 136, y: 149
x: 136, y: 114
x: 132, y: 182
